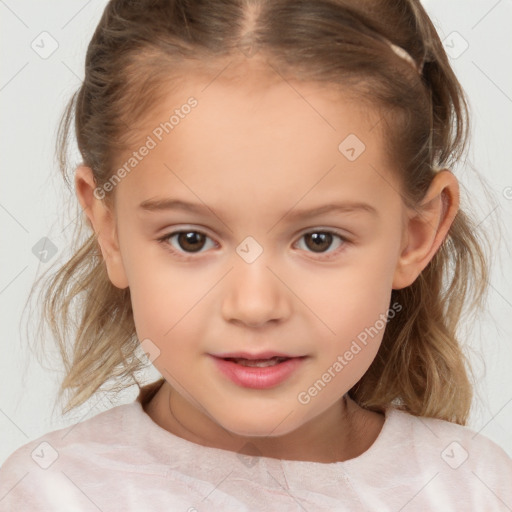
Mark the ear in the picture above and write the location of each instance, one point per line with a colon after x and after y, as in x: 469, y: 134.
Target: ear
x: 102, y: 221
x: 427, y: 227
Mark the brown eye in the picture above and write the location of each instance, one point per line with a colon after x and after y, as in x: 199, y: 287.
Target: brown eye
x: 186, y: 242
x: 191, y: 240
x: 320, y: 241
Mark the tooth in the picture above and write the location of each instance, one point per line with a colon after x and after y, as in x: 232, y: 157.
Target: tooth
x: 260, y: 363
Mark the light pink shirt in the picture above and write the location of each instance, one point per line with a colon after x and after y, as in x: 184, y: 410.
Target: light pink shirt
x: 120, y: 460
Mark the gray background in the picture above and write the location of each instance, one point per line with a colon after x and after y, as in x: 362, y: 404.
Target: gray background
x: 33, y: 91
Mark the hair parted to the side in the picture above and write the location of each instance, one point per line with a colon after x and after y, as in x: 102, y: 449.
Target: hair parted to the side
x: 141, y: 49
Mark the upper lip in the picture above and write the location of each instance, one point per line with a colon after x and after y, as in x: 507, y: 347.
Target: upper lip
x: 247, y: 355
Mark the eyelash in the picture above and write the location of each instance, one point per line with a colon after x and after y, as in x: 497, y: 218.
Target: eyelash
x: 190, y: 256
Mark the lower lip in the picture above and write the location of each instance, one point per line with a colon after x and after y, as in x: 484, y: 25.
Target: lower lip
x: 258, y: 377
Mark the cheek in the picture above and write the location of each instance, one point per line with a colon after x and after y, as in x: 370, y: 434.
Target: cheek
x: 353, y: 302
x: 158, y: 306
x: 357, y: 292
x: 167, y: 298
x: 154, y: 304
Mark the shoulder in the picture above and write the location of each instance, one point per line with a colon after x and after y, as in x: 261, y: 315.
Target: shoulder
x: 31, y: 475
x: 463, y: 463
x: 458, y: 444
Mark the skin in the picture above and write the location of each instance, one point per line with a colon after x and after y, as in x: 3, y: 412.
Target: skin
x: 253, y: 154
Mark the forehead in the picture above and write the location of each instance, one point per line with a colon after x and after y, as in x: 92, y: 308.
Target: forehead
x: 269, y: 111
x: 255, y: 134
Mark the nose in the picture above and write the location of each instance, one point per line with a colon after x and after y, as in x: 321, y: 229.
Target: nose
x: 255, y: 295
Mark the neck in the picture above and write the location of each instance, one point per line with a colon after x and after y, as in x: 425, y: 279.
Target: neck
x: 342, y: 432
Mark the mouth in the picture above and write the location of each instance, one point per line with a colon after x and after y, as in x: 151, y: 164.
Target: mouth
x: 259, y: 360
x: 257, y: 363
x: 259, y: 371
x: 248, y: 355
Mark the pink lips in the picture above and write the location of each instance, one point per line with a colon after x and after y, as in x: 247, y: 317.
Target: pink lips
x: 247, y: 355
x: 257, y: 377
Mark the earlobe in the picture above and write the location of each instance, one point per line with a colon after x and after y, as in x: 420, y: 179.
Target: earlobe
x: 102, y: 220
x: 427, y: 227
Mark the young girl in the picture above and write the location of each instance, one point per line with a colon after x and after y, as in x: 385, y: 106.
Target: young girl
x: 308, y: 345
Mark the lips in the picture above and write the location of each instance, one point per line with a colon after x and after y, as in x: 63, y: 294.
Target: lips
x: 259, y: 360
x: 259, y: 363
x: 248, y: 355
x: 257, y: 371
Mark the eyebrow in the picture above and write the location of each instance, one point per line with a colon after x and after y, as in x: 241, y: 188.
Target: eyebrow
x: 155, y: 205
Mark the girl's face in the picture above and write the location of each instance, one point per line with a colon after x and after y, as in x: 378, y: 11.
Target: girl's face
x: 238, y: 169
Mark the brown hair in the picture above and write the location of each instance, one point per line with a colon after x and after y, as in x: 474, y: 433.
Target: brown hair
x: 141, y: 49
